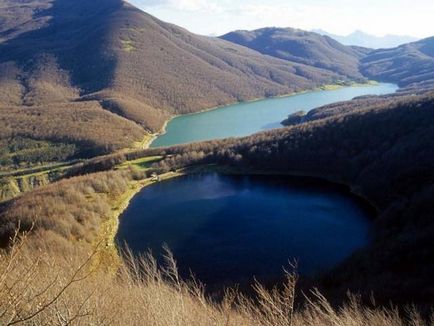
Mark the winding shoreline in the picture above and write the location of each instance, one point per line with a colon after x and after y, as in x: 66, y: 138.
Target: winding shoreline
x: 137, y: 186
x: 111, y: 257
x: 326, y: 87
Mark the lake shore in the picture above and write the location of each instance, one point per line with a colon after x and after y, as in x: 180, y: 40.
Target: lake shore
x: 111, y: 226
x: 327, y: 87
x: 105, y: 242
x: 160, y: 198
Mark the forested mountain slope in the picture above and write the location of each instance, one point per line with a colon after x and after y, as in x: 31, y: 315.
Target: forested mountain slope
x: 410, y: 65
x: 301, y: 46
x: 383, y: 148
x: 358, y: 104
x: 110, y: 56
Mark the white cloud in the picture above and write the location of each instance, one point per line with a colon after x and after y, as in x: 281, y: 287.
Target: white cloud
x: 377, y: 17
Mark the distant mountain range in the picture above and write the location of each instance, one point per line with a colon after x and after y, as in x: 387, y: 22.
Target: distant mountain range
x: 410, y: 65
x: 359, y: 38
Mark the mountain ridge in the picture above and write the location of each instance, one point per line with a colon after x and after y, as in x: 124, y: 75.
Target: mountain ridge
x: 300, y: 46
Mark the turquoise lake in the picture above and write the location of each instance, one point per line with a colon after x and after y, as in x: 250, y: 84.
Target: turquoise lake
x: 250, y: 117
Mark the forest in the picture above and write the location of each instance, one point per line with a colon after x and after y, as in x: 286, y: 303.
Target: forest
x: 410, y: 65
x: 135, y: 72
x: 74, y: 130
x: 303, y: 47
x: 131, y: 72
x: 369, y: 150
x: 380, y: 158
x: 84, y: 85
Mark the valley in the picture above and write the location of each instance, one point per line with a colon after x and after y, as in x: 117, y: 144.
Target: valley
x: 120, y: 132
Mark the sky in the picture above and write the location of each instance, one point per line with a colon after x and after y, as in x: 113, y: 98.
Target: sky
x: 217, y: 17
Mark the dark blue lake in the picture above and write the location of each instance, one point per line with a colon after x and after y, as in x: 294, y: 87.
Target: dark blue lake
x: 227, y: 229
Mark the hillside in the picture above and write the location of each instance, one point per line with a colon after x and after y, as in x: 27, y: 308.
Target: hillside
x: 357, y: 105
x: 365, y: 145
x: 84, y: 84
x: 361, y: 143
x: 125, y: 68
x: 300, y: 46
x: 410, y: 65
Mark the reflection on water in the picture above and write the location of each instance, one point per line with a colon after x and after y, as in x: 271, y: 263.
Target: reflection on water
x: 227, y: 229
x: 247, y: 118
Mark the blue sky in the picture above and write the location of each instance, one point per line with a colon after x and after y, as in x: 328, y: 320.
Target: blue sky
x: 378, y: 17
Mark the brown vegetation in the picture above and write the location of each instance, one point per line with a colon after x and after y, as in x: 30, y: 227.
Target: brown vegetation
x: 303, y: 47
x: 110, y: 56
x: 371, y: 150
x: 40, y: 288
x: 68, y: 211
x: 81, y: 128
x: 381, y: 148
x: 144, y: 71
x: 410, y: 65
x: 363, y: 144
x: 56, y: 90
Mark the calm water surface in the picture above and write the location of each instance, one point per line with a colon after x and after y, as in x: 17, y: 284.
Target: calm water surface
x: 248, y: 118
x: 227, y: 229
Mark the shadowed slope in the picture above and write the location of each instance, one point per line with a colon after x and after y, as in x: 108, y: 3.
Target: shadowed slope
x: 410, y: 65
x: 381, y: 147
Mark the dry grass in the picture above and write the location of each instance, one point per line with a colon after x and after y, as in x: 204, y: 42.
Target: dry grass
x: 71, y: 210
x: 42, y: 288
